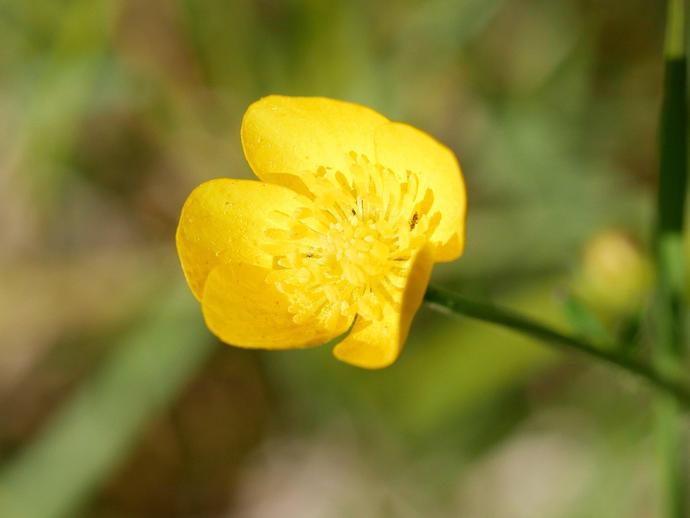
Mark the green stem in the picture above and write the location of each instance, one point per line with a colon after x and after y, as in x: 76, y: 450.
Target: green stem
x: 669, y: 351
x: 455, y: 303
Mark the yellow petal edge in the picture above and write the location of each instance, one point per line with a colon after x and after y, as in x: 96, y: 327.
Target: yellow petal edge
x: 402, y: 147
x: 225, y: 220
x: 285, y: 138
x: 377, y: 344
x: 244, y: 310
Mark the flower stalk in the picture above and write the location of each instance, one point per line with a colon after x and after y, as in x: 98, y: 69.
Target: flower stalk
x: 456, y: 304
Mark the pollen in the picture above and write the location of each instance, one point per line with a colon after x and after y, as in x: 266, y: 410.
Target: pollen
x: 350, y: 252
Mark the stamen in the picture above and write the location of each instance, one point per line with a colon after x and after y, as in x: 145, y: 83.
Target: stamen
x: 351, y: 252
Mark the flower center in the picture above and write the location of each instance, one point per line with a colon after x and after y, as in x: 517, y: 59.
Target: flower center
x: 351, y: 251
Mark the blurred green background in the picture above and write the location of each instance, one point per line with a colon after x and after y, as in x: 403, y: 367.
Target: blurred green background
x: 115, y: 401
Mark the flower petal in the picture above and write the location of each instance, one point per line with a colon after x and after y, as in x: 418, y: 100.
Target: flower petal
x: 224, y: 220
x: 285, y: 137
x: 404, y: 148
x: 375, y: 344
x: 242, y: 309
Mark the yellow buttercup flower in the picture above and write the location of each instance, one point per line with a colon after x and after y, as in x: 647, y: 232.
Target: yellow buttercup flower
x: 340, y: 235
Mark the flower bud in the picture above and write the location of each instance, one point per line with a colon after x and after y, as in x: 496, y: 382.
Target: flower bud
x: 615, y: 277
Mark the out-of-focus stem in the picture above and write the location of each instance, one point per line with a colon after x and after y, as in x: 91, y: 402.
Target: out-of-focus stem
x: 669, y: 348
